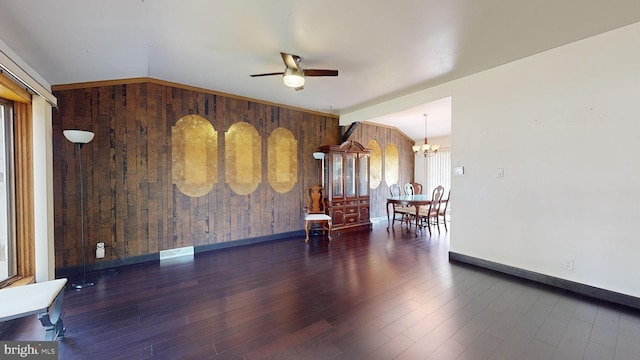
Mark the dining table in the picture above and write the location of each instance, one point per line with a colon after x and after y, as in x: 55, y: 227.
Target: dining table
x: 414, y: 201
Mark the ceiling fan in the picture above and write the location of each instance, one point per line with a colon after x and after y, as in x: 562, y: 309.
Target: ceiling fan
x: 294, y: 75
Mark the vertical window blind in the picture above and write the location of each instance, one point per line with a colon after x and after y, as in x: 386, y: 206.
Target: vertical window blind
x: 439, y: 171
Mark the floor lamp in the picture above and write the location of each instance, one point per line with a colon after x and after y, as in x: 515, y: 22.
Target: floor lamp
x: 79, y: 138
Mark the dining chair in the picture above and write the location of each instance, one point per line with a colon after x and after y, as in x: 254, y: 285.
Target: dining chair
x: 408, y: 189
x: 444, y: 207
x: 429, y: 214
x: 394, y: 189
x: 315, y: 211
x: 417, y: 188
x: 403, y: 211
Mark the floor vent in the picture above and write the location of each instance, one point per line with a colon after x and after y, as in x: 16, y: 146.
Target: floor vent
x: 178, y: 252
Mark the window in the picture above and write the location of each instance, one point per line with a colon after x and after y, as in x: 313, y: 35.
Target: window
x: 8, y: 266
x: 439, y: 171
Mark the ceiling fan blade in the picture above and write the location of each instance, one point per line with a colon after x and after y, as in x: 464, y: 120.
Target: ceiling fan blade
x: 320, y: 72
x: 267, y: 74
x: 290, y: 61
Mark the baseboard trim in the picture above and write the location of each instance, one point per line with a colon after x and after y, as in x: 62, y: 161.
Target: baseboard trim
x: 108, y: 264
x: 118, y: 263
x: 249, y: 241
x: 575, y: 287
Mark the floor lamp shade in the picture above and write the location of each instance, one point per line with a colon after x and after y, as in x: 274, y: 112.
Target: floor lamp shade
x: 79, y: 138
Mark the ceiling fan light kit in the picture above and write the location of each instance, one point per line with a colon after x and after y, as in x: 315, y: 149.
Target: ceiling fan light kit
x: 293, y: 77
x: 293, y: 74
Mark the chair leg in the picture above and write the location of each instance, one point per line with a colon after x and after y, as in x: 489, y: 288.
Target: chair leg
x: 408, y: 221
x: 330, y: 224
x: 306, y: 230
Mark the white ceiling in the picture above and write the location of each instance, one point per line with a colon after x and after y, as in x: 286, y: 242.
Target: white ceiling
x: 382, y: 48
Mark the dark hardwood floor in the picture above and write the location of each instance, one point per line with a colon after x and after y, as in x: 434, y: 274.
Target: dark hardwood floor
x: 373, y: 295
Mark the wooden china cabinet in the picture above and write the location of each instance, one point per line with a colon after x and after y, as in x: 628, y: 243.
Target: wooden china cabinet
x: 346, y: 180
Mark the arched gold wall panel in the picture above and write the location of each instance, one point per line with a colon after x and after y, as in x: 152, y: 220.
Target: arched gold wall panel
x: 375, y: 164
x: 283, y: 160
x: 243, y: 162
x: 391, y: 161
x: 194, y: 155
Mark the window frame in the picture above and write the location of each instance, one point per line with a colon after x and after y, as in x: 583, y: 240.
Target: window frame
x: 10, y: 174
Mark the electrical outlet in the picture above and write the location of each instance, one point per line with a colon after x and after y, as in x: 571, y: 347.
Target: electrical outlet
x: 100, y: 250
x: 568, y: 264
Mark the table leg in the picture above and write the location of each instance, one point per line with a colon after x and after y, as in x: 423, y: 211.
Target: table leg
x: 51, y: 320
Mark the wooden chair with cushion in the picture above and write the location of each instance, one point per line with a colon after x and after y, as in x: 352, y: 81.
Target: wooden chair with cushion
x: 429, y: 214
x: 442, y: 212
x: 403, y: 211
x: 408, y: 189
x: 315, y: 211
x: 394, y: 189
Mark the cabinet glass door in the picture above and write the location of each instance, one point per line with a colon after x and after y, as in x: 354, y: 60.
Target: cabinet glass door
x: 337, y: 175
x: 363, y: 175
x: 350, y: 175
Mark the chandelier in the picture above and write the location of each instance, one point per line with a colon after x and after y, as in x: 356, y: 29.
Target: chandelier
x: 426, y: 149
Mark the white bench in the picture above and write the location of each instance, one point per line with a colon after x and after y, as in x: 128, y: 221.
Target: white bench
x: 43, y: 298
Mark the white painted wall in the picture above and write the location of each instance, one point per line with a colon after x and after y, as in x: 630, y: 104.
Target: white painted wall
x: 43, y: 189
x: 564, y: 125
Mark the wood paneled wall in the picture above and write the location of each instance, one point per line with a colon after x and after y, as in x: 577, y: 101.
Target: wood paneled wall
x: 385, y: 135
x: 130, y: 202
